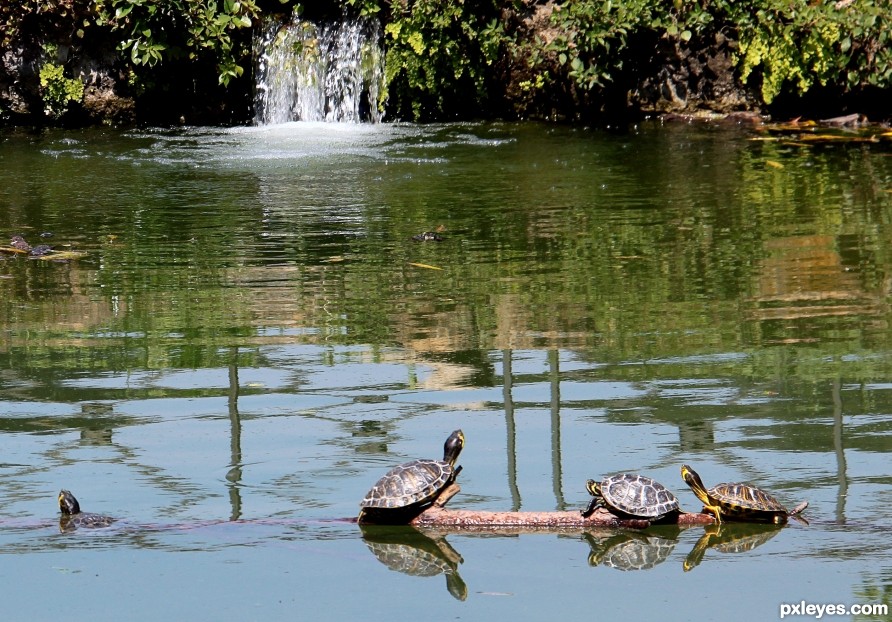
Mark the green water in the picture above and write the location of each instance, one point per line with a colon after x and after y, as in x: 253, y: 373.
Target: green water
x: 252, y: 338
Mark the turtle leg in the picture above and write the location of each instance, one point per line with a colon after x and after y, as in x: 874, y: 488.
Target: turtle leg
x: 594, y: 505
x: 716, y: 511
x: 446, y: 494
x: 796, y: 512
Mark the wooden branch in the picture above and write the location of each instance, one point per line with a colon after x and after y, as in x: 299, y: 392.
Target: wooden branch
x: 441, y: 517
x: 436, y: 515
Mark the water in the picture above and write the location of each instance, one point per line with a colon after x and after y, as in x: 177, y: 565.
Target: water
x: 311, y: 72
x: 253, y: 338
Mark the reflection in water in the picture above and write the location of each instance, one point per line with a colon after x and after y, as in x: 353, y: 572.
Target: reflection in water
x: 696, y: 436
x: 630, y: 550
x: 412, y: 552
x: 234, y: 475
x: 730, y: 538
x: 678, y: 282
x: 839, y: 450
x: 554, y: 377
x: 806, y: 277
x: 876, y: 588
x: 96, y: 433
x: 510, y: 429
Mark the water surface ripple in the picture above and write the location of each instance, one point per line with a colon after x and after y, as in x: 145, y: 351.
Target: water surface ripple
x: 252, y: 337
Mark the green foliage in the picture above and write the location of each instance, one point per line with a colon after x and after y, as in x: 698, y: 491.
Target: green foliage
x: 367, y: 8
x: 157, y: 30
x: 783, y: 44
x: 439, y: 52
x: 800, y: 44
x: 53, y: 17
x: 56, y: 90
x: 594, y: 35
x: 445, y: 56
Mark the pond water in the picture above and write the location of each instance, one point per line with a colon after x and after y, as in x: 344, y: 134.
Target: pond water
x: 251, y: 338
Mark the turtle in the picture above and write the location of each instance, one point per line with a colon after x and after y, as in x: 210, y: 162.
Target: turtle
x: 428, y: 236
x: 739, y: 501
x: 40, y: 250
x: 631, y: 495
x: 72, y: 517
x: 415, y: 484
x: 20, y: 245
x: 19, y: 242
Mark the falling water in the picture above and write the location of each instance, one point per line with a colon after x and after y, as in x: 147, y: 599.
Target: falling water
x: 310, y: 72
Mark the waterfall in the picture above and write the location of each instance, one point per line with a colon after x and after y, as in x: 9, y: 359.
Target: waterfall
x: 309, y: 72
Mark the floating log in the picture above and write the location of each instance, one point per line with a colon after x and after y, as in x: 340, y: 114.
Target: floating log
x: 436, y: 515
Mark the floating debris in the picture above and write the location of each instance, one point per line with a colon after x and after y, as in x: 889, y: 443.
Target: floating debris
x: 19, y: 246
x: 62, y: 255
x: 853, y: 128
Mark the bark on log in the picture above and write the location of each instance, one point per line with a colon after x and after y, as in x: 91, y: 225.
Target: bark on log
x: 441, y: 517
x: 436, y: 515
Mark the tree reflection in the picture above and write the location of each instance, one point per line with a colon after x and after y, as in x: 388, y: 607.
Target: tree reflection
x: 234, y: 475
x: 510, y: 429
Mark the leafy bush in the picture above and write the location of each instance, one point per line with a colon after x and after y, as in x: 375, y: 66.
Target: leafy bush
x: 156, y: 30
x: 439, y: 53
x: 799, y: 44
x: 594, y: 36
x: 58, y: 91
x: 448, y: 57
x: 783, y: 44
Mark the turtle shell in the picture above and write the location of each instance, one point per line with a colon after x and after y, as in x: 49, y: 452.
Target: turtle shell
x: 72, y: 518
x: 637, y: 495
x: 84, y: 520
x: 743, y: 499
x: 409, y: 484
x: 740, y: 501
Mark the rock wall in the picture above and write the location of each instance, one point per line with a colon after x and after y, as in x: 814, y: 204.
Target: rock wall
x: 689, y: 78
x: 89, y: 64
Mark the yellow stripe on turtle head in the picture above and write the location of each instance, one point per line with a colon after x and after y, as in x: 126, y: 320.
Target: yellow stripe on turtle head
x: 693, y: 480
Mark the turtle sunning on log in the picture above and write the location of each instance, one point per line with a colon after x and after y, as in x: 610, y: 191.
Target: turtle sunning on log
x: 413, y: 485
x: 739, y: 501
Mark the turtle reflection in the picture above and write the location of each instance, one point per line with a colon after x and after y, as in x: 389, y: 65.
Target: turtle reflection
x: 630, y: 550
x: 408, y: 550
x: 730, y: 538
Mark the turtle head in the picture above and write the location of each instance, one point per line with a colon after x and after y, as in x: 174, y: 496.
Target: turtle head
x: 453, y: 447
x: 693, y: 480
x: 68, y: 504
x: 594, y: 489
